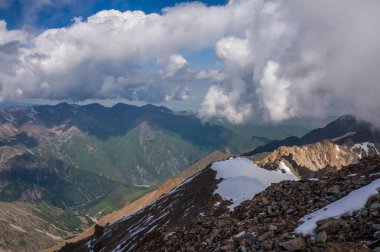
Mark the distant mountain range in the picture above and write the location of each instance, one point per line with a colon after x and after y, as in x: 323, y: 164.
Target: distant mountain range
x: 347, y: 127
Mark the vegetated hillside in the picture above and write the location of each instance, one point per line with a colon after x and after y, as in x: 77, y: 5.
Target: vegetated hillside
x: 345, y: 128
x: 197, y: 215
x: 33, y: 227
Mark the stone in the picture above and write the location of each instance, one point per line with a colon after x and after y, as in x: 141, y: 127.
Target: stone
x: 374, y: 206
x: 272, y: 227
x: 331, y: 226
x: 264, y: 201
x: 265, y: 236
x: 267, y: 245
x: 376, y: 235
x: 364, y: 213
x: 294, y: 244
x: 321, y: 237
x: 290, y: 210
x: 335, y: 189
x: 376, y: 226
x: 347, y: 246
x: 228, y: 247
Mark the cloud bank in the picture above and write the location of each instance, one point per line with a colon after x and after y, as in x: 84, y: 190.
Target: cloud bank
x: 280, y: 59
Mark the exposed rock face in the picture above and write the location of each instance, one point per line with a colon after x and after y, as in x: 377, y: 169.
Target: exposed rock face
x: 318, y: 157
x: 197, y: 220
x: 313, y: 156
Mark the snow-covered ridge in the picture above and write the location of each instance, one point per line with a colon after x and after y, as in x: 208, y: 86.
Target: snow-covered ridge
x: 354, y: 201
x: 242, y: 179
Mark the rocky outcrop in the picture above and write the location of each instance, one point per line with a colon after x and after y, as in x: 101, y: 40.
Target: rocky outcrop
x: 309, y: 160
x: 313, y: 156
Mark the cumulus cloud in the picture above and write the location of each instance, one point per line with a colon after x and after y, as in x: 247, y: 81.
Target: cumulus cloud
x: 274, y: 93
x: 172, y: 65
x: 115, y: 53
x: 306, y: 58
x: 279, y: 59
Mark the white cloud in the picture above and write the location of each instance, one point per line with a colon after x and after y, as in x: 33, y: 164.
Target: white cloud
x: 279, y: 59
x: 308, y: 58
x: 172, y: 65
x: 7, y: 36
x: 208, y: 74
x: 274, y: 93
x: 114, y: 53
x: 234, y: 49
x: 219, y: 102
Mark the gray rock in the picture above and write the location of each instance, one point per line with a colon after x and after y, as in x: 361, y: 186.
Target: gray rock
x: 294, y: 245
x: 265, y: 236
x: 374, y: 206
x: 321, y: 237
x: 335, y: 189
x: 376, y: 235
x: 267, y: 245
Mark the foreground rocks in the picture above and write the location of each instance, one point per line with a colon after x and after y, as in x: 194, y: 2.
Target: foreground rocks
x: 265, y: 223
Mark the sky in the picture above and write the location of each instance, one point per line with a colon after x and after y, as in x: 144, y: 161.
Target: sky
x: 244, y: 60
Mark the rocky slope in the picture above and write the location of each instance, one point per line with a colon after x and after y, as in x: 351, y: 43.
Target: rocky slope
x: 192, y: 217
x: 30, y: 227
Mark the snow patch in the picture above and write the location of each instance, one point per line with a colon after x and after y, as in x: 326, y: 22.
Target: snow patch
x: 242, y: 179
x: 364, y: 148
x: 354, y: 201
x: 241, y: 234
x: 313, y: 179
x: 337, y: 148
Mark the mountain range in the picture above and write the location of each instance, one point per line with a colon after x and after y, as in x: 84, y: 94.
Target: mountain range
x: 197, y: 212
x: 75, y: 164
x: 72, y: 169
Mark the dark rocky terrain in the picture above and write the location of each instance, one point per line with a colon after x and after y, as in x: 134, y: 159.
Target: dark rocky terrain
x: 192, y: 218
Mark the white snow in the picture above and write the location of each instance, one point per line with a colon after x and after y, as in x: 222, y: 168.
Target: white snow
x: 313, y: 179
x: 242, y: 179
x: 364, y: 147
x: 337, y: 148
x: 354, y: 201
x: 241, y: 234
x: 355, y: 162
x: 285, y: 169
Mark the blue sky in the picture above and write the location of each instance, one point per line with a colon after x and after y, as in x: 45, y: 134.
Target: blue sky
x: 43, y: 14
